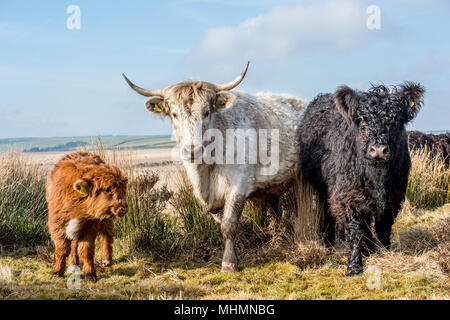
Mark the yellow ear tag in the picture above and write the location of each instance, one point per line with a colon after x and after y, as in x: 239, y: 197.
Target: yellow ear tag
x: 412, y: 104
x: 83, y: 190
x: 157, y: 109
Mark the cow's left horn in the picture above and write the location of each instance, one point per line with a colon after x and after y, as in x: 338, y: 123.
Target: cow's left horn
x: 235, y: 82
x: 144, y: 92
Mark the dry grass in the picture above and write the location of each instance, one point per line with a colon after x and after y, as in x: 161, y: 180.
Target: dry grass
x: 6, y: 274
x: 23, y: 209
x: 306, y: 223
x: 304, y: 246
x: 442, y: 235
x: 311, y: 254
x: 429, y: 181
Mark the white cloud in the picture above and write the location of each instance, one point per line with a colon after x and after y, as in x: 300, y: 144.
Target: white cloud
x: 285, y: 30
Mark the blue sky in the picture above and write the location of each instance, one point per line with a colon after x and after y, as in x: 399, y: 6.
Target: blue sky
x: 60, y: 82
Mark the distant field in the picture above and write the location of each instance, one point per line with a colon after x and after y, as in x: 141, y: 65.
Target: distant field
x: 74, y: 143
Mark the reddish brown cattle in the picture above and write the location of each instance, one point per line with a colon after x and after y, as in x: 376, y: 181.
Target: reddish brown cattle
x: 84, y: 194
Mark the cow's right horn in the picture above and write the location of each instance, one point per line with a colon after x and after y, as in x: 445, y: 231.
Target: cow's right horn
x: 144, y: 92
x: 234, y: 83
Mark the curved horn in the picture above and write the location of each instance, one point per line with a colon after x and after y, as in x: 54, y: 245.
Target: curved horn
x: 235, y: 82
x: 144, y: 92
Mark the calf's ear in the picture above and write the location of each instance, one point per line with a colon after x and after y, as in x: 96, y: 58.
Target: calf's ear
x: 82, y: 186
x: 157, y: 105
x: 346, y: 100
x: 224, y: 99
x: 412, y: 95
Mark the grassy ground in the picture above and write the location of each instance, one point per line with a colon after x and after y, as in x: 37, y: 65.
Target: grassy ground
x: 265, y: 274
x: 178, y: 256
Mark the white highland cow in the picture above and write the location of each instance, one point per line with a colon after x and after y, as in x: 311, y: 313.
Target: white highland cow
x: 234, y: 146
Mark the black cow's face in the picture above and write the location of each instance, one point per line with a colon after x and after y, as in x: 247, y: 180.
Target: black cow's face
x: 379, y: 116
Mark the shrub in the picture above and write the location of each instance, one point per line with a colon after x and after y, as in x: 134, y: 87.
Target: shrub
x: 305, y: 247
x: 23, y: 210
x: 429, y: 181
x: 197, y: 223
x: 146, y: 228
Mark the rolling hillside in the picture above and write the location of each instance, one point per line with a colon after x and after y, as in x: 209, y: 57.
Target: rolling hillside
x: 74, y: 143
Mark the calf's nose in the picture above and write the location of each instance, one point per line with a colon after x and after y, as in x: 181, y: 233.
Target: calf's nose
x: 120, y: 210
x: 378, y: 152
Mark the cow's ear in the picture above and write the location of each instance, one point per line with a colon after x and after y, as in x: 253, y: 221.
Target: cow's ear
x: 82, y: 186
x: 224, y: 99
x: 157, y: 105
x: 412, y: 96
x: 346, y: 100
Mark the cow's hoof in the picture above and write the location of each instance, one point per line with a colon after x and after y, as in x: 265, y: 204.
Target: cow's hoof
x: 58, y: 274
x: 229, y: 267
x: 354, y: 272
x: 90, y: 278
x: 106, y: 263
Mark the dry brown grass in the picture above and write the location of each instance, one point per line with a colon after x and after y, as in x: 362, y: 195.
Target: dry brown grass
x: 305, y: 247
x: 442, y: 235
x: 415, y: 240
x: 306, y: 223
x: 6, y: 273
x: 23, y: 209
x: 429, y: 180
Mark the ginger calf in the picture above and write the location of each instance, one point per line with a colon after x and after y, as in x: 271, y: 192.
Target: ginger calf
x: 84, y: 195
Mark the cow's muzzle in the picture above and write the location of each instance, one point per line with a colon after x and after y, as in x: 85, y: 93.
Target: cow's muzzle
x: 192, y: 152
x: 120, y: 211
x: 378, y: 153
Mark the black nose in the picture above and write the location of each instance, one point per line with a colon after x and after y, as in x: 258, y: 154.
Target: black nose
x: 192, y: 152
x: 123, y: 211
x: 378, y: 152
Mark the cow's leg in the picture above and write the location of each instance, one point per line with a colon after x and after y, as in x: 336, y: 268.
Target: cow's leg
x: 369, y: 241
x: 328, y: 227
x: 230, y: 221
x: 383, y: 229
x: 86, y: 251
x: 73, y: 257
x: 62, y: 250
x: 346, y: 210
x: 106, y: 239
x: 383, y: 223
x: 355, y: 237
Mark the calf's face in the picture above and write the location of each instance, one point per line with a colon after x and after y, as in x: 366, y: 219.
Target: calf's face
x: 103, y: 191
x: 379, y: 117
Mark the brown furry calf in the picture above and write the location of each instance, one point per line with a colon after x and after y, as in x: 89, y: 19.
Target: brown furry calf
x: 84, y: 195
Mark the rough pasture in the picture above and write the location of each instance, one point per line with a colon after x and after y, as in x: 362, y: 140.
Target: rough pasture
x: 157, y: 259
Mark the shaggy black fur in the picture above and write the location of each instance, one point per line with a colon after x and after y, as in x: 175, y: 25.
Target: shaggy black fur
x: 354, y: 150
x: 436, y: 144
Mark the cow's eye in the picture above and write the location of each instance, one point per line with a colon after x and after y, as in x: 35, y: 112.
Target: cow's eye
x: 174, y: 115
x: 108, y: 190
x: 206, y: 113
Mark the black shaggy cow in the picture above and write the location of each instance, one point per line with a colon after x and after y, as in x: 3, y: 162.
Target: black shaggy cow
x: 437, y: 144
x: 354, y: 150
